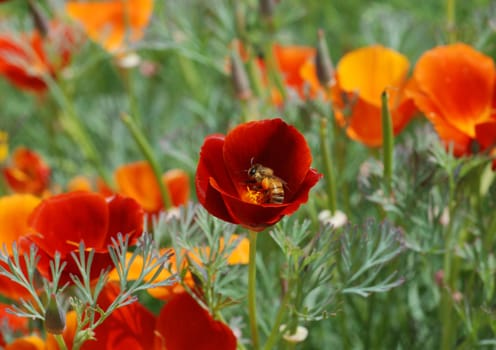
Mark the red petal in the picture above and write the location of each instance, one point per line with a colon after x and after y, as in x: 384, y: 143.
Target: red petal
x: 211, y: 169
x: 129, y: 327
x: 301, y: 196
x: 183, y: 324
x: 486, y: 134
x: 62, y: 221
x: 126, y: 217
x: 272, y: 143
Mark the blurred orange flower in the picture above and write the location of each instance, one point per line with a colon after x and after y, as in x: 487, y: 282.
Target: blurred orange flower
x: 136, y: 180
x: 455, y: 89
x: 26, y: 60
x: 184, y: 324
x: 31, y: 342
x: 238, y: 256
x: 114, y: 23
x: 14, y: 213
x: 28, y: 172
x: 296, y: 65
x: 362, y: 75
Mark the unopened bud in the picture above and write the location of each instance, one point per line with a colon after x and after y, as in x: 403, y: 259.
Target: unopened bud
x: 39, y: 19
x: 267, y: 8
x: 240, y: 80
x: 323, y: 62
x: 54, y: 317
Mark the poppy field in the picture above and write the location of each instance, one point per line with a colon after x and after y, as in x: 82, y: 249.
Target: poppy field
x: 251, y: 175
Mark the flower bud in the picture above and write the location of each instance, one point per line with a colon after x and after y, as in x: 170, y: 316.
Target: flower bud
x: 39, y: 19
x: 323, y: 62
x: 54, y: 317
x: 267, y: 8
x: 239, y: 78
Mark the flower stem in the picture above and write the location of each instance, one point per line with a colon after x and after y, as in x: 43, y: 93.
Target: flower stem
x: 448, y: 280
x: 149, y: 156
x: 60, y: 341
x: 252, y: 275
x: 74, y: 127
x: 451, y: 20
x: 274, y: 333
x: 328, y: 170
x: 387, y: 142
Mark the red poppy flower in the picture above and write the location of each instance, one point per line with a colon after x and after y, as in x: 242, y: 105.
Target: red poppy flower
x: 60, y: 222
x: 136, y: 180
x: 28, y: 172
x: 14, y: 214
x: 455, y: 89
x: 362, y: 75
x: 184, y: 324
x: 223, y: 185
x: 112, y: 22
x: 25, y: 61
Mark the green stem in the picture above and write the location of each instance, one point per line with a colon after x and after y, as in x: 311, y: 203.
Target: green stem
x: 60, y: 341
x: 126, y: 74
x: 74, y: 127
x: 275, y: 333
x: 387, y: 143
x: 328, y: 169
x: 451, y: 20
x: 252, y: 275
x: 147, y: 152
x: 446, y: 296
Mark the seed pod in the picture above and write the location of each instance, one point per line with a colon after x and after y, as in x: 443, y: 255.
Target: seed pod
x: 323, y: 62
x: 54, y: 317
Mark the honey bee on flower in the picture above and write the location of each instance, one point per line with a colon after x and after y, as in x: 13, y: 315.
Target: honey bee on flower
x: 264, y: 186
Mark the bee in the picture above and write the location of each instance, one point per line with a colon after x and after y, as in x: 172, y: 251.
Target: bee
x: 262, y: 179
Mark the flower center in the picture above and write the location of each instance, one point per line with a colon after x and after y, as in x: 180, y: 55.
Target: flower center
x: 254, y: 196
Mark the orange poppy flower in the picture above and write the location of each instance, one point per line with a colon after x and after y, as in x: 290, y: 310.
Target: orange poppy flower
x: 4, y: 146
x: 455, y: 89
x: 25, y: 61
x: 362, y: 75
x: 184, y: 324
x: 31, y: 342
x: 28, y: 173
x: 136, y: 180
x: 129, y: 327
x: 238, y: 256
x: 113, y: 23
x: 14, y: 214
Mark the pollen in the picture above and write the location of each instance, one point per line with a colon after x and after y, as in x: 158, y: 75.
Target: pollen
x: 253, y: 196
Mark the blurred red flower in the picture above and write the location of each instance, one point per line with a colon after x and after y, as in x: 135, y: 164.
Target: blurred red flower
x: 136, y: 180
x: 129, y: 327
x: 11, y: 323
x: 226, y: 190
x: 28, y: 172
x: 455, y: 89
x: 184, y: 324
x: 26, y: 60
x: 60, y: 222
x: 14, y: 213
x: 361, y: 77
